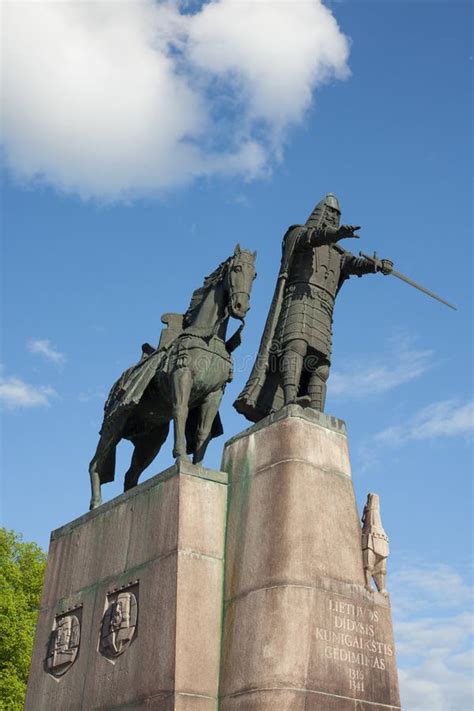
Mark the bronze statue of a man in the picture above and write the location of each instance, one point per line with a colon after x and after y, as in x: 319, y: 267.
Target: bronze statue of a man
x: 295, y: 352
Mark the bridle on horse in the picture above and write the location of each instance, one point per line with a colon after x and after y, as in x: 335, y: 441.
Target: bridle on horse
x: 235, y: 338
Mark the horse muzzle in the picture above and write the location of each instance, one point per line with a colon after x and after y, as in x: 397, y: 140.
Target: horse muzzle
x: 239, y: 306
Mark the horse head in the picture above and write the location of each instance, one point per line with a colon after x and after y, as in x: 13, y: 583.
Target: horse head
x: 240, y: 275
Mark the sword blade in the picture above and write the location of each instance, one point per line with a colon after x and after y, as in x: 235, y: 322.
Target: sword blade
x: 422, y: 288
x: 378, y: 263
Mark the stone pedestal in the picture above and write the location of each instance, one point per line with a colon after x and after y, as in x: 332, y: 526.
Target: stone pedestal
x: 135, y: 591
x: 301, y: 633
x: 131, y: 610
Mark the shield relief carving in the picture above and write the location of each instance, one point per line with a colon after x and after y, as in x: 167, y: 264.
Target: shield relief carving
x: 63, y: 645
x: 119, y: 621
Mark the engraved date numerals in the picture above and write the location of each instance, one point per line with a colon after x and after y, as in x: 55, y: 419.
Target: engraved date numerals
x: 356, y: 680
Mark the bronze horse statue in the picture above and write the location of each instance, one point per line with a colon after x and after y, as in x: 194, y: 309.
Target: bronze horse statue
x: 183, y: 379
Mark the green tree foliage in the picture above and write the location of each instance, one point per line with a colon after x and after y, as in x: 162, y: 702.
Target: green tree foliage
x: 22, y: 568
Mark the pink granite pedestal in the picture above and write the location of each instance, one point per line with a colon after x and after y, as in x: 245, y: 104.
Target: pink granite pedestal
x: 241, y: 590
x: 142, y: 576
x: 301, y: 632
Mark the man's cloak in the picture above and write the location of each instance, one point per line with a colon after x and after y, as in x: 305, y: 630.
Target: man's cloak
x: 263, y: 392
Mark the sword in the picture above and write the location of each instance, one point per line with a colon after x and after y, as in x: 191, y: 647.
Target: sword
x: 378, y: 263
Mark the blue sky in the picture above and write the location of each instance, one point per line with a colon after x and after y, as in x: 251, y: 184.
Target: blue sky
x: 103, y: 232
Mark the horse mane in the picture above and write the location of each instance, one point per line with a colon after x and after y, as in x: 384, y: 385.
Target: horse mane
x: 200, y: 293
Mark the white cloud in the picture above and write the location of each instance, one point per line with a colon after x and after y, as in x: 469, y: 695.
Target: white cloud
x: 367, y: 377
x: 15, y: 393
x: 425, y: 585
x: 433, y: 632
x: 43, y: 347
x: 447, y: 418
x: 434, y: 686
x: 111, y: 99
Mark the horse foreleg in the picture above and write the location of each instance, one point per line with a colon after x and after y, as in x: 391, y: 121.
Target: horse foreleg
x: 207, y: 414
x: 182, y: 381
x: 146, y: 448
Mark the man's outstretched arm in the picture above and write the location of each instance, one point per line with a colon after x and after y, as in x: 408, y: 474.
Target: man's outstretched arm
x: 316, y: 237
x: 358, y: 266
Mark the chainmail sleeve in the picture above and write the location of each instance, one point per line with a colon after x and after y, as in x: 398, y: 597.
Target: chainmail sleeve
x: 316, y: 237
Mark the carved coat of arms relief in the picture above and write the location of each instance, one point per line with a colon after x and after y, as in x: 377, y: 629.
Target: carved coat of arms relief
x: 63, y: 644
x: 119, y: 622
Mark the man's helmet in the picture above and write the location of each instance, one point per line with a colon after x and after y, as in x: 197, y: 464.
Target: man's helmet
x: 327, y: 213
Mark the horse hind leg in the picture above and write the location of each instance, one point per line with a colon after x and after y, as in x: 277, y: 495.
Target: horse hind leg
x: 146, y: 448
x: 102, y: 461
x: 96, y: 497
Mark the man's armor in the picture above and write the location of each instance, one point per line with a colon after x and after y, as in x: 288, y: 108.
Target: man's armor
x: 308, y: 301
x: 315, y: 276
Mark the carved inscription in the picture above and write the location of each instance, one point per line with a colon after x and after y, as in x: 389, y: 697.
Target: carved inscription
x: 114, y: 674
x: 354, y: 639
x: 61, y: 696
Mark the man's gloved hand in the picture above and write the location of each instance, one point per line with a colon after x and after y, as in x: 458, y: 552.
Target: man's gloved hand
x: 346, y: 231
x: 386, y: 266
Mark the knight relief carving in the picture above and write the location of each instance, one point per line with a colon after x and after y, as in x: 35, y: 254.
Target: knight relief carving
x: 375, y: 548
x: 119, y: 622
x: 63, y: 644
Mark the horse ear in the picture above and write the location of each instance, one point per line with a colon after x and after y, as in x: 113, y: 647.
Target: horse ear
x: 237, y: 248
x: 255, y: 254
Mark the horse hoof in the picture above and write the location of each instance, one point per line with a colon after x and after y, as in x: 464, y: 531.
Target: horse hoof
x: 95, y: 503
x: 182, y: 458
